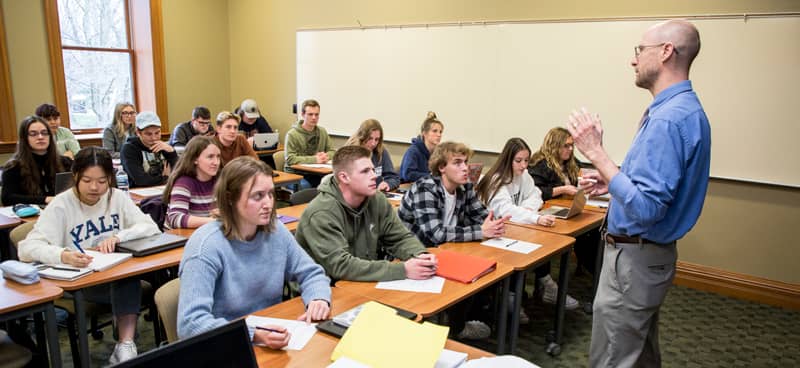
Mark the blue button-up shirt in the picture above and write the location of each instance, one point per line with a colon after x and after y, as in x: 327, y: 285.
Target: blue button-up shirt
x: 662, y: 183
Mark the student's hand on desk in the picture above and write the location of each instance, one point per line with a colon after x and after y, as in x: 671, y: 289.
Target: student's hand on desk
x: 546, y: 220
x: 383, y: 187
x: 421, y: 267
x: 317, y: 310
x: 322, y: 157
x: 108, y: 244
x: 76, y: 259
x: 494, y: 227
x: 274, y: 340
x: 565, y: 189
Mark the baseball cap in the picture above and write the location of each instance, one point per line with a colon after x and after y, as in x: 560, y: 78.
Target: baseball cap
x: 250, y: 108
x: 147, y: 119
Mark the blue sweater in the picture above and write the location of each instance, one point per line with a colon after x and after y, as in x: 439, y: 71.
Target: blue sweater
x: 415, y: 161
x: 223, y: 279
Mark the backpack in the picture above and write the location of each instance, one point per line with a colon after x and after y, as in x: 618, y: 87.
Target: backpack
x: 156, y: 208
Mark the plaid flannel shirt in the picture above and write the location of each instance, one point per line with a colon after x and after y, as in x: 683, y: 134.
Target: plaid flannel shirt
x: 422, y: 212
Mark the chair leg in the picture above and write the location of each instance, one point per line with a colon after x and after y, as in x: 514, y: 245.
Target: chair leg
x: 73, y: 340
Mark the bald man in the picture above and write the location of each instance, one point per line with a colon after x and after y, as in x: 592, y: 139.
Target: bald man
x: 657, y: 195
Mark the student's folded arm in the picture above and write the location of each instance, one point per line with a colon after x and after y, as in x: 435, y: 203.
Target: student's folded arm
x: 293, y: 144
x: 401, y: 243
x: 653, y: 178
x: 325, y: 240
x: 302, y: 269
x: 40, y: 244
x: 198, y: 276
x: 133, y: 166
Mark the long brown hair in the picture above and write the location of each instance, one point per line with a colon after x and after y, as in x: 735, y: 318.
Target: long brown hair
x: 362, y: 135
x: 230, y: 186
x: 117, y: 125
x: 502, y: 172
x: 23, y: 158
x: 567, y: 170
x: 185, y: 165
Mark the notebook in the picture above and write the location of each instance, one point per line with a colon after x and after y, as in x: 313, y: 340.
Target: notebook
x: 462, y: 267
x: 265, y: 140
x: 564, y: 213
x: 100, y: 262
x: 151, y: 244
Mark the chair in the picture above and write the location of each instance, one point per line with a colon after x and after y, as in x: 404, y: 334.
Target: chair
x: 303, y: 196
x: 167, y: 304
x: 280, y: 160
x: 12, y: 355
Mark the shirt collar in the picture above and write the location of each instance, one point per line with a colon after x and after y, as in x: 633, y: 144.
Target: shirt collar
x: 668, y: 93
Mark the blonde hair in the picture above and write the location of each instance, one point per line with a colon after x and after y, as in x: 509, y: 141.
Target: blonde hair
x: 231, y: 184
x: 427, y: 124
x: 363, y: 134
x: 553, y: 141
x: 443, y: 152
x: 117, y: 125
x: 225, y: 115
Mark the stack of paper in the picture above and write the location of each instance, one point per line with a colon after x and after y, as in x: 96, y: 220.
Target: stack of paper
x: 100, y: 262
x: 301, y: 332
x: 381, y: 338
x: 432, y: 285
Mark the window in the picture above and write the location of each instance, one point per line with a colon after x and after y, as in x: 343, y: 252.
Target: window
x: 104, y: 52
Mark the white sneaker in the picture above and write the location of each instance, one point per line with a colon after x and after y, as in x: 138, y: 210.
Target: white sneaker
x: 123, y: 351
x: 523, y: 317
x: 549, y: 290
x: 475, y: 330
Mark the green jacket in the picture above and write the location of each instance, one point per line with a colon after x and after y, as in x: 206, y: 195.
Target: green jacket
x: 349, y: 243
x: 302, y: 145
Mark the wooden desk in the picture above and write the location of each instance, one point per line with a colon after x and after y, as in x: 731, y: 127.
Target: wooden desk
x: 552, y: 245
x: 294, y: 211
x: 567, y: 202
x: 285, y: 179
x: 268, y: 152
x: 428, y: 304
x: 317, y: 353
x: 18, y: 300
x: 312, y: 170
x: 132, y: 267
x: 574, y: 226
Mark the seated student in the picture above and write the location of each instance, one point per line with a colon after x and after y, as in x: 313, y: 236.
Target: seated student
x: 93, y: 215
x: 122, y: 126
x: 238, y: 264
x: 66, y: 144
x: 370, y: 136
x: 199, y: 125
x: 555, y: 171
x: 333, y: 228
x: 442, y: 207
x: 508, y: 189
x: 253, y: 122
x: 415, y: 160
x: 230, y: 142
x: 30, y: 175
x: 308, y: 143
x: 190, y: 188
x: 145, y: 157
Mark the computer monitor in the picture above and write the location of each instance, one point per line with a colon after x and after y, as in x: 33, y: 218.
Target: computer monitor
x: 225, y: 346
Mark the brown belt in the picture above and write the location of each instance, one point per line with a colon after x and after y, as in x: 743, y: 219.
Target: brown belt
x: 614, y: 239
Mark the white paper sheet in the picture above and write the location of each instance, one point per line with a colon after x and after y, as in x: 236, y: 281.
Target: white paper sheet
x: 597, y: 203
x: 300, y: 331
x: 512, y: 245
x: 148, y: 191
x: 432, y: 285
x: 345, y: 362
x: 8, y: 212
x: 450, y: 359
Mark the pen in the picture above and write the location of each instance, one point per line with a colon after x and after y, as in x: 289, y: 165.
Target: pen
x: 511, y: 243
x: 268, y: 329
x: 65, y: 269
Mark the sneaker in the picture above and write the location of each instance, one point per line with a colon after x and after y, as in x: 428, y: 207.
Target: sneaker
x: 550, y: 293
x: 122, y: 352
x: 475, y: 330
x: 523, y: 318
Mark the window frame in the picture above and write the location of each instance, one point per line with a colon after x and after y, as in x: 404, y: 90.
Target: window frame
x: 145, y: 32
x: 8, y: 118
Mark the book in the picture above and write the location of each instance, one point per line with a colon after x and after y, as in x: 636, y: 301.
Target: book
x: 462, y: 267
x: 100, y: 262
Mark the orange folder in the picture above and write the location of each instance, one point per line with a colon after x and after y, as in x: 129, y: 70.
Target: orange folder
x: 462, y: 267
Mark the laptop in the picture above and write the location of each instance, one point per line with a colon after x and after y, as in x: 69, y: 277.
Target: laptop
x: 265, y: 140
x: 151, y: 244
x: 564, y: 213
x: 63, y: 181
x: 225, y: 346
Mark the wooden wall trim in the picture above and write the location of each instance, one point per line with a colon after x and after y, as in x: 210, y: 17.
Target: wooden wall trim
x: 8, y: 119
x: 53, y: 27
x: 159, y: 60
x: 738, y: 285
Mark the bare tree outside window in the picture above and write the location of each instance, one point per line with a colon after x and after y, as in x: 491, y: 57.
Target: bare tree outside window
x: 97, y: 59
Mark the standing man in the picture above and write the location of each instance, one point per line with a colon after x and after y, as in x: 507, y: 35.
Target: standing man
x: 308, y: 143
x: 657, y: 196
x: 199, y: 125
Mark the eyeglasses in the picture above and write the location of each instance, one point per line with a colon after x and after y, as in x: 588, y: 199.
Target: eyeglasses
x: 207, y: 122
x: 43, y: 133
x: 128, y: 113
x: 638, y: 49
x: 568, y: 146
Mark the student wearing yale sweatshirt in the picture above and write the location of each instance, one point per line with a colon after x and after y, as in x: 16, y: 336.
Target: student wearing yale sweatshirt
x: 238, y: 264
x: 93, y: 215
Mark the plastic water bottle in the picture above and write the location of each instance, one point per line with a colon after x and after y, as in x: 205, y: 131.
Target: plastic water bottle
x: 122, y: 181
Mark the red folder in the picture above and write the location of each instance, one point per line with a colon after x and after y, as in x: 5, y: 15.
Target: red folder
x: 462, y: 267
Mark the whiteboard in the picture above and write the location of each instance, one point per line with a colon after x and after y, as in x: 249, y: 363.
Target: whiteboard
x: 488, y: 83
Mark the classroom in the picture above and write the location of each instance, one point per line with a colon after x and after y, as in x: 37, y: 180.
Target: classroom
x: 218, y: 52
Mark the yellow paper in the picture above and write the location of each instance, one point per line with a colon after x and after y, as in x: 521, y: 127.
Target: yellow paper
x: 380, y: 338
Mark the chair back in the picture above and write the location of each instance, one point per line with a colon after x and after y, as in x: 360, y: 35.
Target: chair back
x: 280, y: 160
x: 167, y: 304
x: 20, y: 232
x: 303, y: 196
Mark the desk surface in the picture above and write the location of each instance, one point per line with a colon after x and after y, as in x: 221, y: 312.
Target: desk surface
x: 15, y: 296
x: 270, y: 151
x: 9, y: 222
x: 427, y: 304
x: 294, y: 211
x: 131, y: 267
x: 285, y: 178
x: 551, y: 244
x: 313, y: 170
x: 567, y: 202
x: 318, y: 351
x: 573, y: 227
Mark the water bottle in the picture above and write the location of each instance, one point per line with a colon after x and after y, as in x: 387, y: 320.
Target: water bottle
x: 122, y: 181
